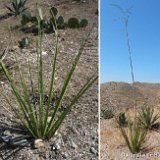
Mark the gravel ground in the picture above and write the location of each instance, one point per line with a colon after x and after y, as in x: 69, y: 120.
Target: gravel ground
x: 77, y: 139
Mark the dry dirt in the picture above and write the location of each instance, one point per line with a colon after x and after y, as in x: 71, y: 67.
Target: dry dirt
x: 78, y: 137
x: 123, y: 97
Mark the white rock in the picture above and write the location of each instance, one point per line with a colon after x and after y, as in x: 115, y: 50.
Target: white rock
x: 38, y: 143
x: 44, y: 53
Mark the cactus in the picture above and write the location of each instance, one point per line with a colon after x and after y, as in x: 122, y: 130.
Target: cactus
x: 18, y: 6
x: 60, y: 22
x: 24, y: 42
x: 83, y: 23
x: 54, y: 11
x: 73, y: 22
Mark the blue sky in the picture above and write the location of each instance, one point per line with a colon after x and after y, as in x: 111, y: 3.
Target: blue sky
x: 144, y: 33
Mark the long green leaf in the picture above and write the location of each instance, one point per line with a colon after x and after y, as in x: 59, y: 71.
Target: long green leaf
x: 68, y: 108
x: 65, y: 86
x: 51, y: 85
x: 31, y: 113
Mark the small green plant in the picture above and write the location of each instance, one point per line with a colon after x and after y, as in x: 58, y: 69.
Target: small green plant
x: 39, y: 119
x: 60, y: 22
x: 121, y: 119
x: 146, y: 117
x: 56, y: 18
x: 18, y: 6
x: 73, y: 22
x: 24, y: 42
x: 135, y: 137
x: 26, y: 17
x: 107, y: 113
x: 83, y: 23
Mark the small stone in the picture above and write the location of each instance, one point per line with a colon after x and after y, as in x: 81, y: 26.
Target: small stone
x: 48, y: 119
x: 7, y: 133
x: 38, y: 143
x: 1, y: 82
x: 73, y: 145
x: 93, y: 150
x: 44, y: 53
x: 65, y: 155
x: 57, y: 144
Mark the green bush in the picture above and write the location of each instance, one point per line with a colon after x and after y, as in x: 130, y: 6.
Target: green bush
x: 39, y: 119
x: 18, y: 6
x: 135, y: 137
x: 146, y: 117
x: 107, y: 113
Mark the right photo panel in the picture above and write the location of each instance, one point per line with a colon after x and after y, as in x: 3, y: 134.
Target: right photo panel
x: 129, y: 80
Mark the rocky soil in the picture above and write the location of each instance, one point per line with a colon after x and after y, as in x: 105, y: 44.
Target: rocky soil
x: 77, y: 139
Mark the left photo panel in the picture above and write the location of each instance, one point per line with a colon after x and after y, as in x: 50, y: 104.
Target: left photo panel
x: 49, y: 94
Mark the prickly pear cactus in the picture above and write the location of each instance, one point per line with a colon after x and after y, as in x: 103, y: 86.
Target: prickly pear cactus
x: 73, y: 22
x: 54, y: 11
x: 60, y: 22
x: 83, y: 23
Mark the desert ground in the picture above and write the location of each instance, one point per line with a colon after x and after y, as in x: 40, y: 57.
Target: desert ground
x: 128, y: 98
x: 77, y: 138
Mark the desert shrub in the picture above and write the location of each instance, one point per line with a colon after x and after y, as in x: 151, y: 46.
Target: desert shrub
x: 135, y: 137
x: 39, y: 119
x: 146, y: 117
x: 107, y: 113
x: 24, y: 42
x: 18, y: 6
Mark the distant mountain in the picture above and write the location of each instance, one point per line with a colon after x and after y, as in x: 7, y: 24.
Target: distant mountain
x: 121, y: 95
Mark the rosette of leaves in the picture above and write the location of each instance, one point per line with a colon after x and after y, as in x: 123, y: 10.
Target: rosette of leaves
x: 18, y: 6
x: 147, y: 117
x: 107, y: 113
x: 24, y: 42
x: 36, y: 118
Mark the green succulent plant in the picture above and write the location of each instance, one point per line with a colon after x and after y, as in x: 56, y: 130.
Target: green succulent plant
x: 135, y: 137
x: 60, y: 22
x: 73, y: 22
x: 26, y: 17
x: 83, y: 23
x: 107, y: 113
x: 24, y: 42
x: 18, y: 6
x: 146, y: 117
x: 54, y: 11
x: 38, y: 119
